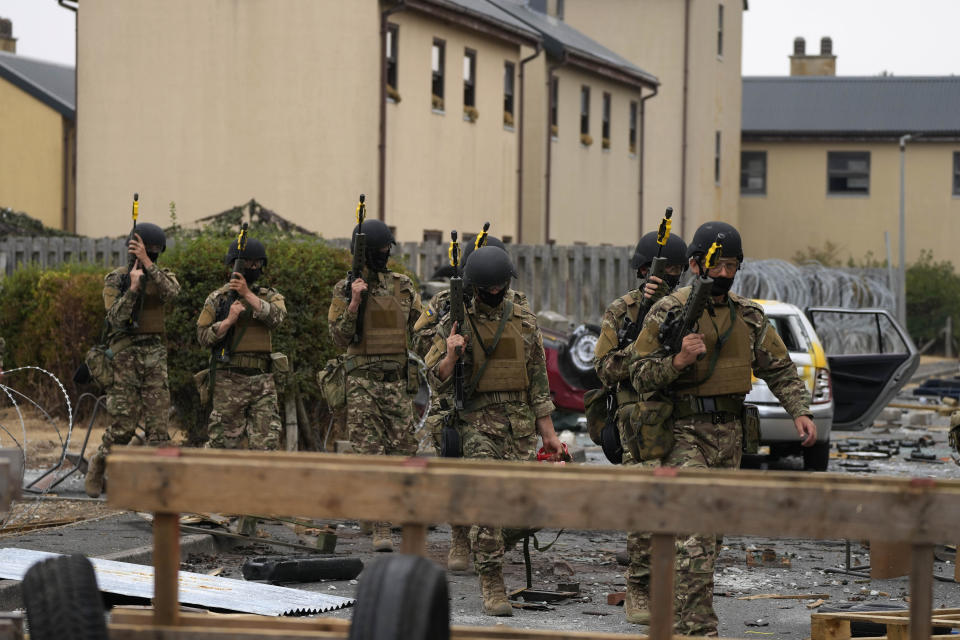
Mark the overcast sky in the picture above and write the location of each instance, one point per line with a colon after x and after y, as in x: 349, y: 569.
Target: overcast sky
x: 869, y: 36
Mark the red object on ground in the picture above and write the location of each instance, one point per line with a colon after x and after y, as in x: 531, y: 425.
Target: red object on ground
x: 564, y: 395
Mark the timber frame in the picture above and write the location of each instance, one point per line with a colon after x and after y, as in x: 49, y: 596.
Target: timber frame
x: 419, y: 491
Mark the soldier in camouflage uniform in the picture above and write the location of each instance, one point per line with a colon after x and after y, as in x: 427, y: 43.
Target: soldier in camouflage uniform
x: 954, y: 437
x: 380, y: 417
x: 244, y: 411
x: 139, y: 393
x: 707, y: 396
x: 506, y: 404
x: 620, y: 326
x: 458, y: 558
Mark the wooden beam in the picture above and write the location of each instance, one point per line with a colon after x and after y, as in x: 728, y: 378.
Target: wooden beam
x: 356, y: 487
x: 921, y: 591
x: 663, y: 554
x: 166, y: 563
x: 414, y: 540
x: 889, y: 559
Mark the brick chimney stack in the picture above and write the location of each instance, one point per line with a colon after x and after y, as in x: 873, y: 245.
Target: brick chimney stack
x: 7, y: 41
x: 802, y: 64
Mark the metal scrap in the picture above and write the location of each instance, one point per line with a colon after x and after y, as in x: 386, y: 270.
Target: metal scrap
x: 198, y: 589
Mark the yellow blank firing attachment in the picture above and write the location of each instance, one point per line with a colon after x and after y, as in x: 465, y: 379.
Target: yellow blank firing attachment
x: 361, y: 210
x: 242, y: 239
x: 454, y: 253
x: 664, y: 232
x: 136, y: 206
x: 713, y: 255
x: 481, y: 237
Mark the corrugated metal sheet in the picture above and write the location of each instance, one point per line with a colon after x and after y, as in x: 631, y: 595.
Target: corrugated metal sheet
x: 868, y: 105
x: 198, y: 589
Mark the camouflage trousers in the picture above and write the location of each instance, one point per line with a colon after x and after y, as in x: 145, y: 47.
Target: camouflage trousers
x: 700, y: 444
x: 138, y: 395
x: 245, y: 413
x: 380, y: 418
x: 496, y: 432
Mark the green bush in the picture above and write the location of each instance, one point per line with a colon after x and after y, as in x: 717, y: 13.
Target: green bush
x: 933, y: 294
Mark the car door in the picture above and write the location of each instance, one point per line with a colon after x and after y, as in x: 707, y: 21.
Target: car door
x: 871, y: 357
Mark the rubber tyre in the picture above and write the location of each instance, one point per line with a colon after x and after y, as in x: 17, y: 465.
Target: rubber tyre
x: 817, y: 457
x: 62, y: 600
x: 402, y: 597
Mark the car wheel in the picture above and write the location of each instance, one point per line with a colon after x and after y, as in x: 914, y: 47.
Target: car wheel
x: 817, y: 457
x: 402, y: 598
x: 62, y: 600
x: 576, y: 362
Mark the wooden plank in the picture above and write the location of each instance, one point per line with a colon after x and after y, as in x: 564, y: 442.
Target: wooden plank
x: 577, y: 312
x: 414, y: 540
x: 921, y: 591
x: 740, y: 502
x: 166, y: 562
x: 662, y: 557
x: 593, y: 294
x: 144, y: 615
x: 889, y: 559
x: 828, y: 628
x: 290, y: 419
x: 143, y: 632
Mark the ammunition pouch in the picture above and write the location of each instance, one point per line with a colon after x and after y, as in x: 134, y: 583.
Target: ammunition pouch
x: 650, y: 433
x: 595, y: 409
x: 332, y: 380
x: 750, y: 421
x: 280, y: 367
x: 202, y: 381
x: 97, y: 367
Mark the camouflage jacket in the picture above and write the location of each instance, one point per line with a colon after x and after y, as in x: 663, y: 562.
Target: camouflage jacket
x: 609, y: 361
x: 273, y: 311
x: 652, y: 369
x: 120, y: 307
x: 538, y: 391
x: 343, y: 322
x: 426, y: 326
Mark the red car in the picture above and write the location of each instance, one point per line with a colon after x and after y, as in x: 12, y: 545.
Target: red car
x: 570, y: 370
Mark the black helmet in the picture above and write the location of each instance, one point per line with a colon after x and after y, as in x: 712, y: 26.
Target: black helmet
x: 253, y: 251
x: 378, y: 235
x: 151, y: 234
x: 675, y: 251
x: 489, y: 267
x: 491, y: 241
x: 706, y: 235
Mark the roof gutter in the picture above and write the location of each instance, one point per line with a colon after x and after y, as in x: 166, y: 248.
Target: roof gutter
x: 520, y: 134
x: 642, y: 147
x: 382, y: 148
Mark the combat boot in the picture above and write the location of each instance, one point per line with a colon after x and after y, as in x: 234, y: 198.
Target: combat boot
x: 494, y: 594
x: 459, y: 557
x: 93, y: 483
x: 382, y: 540
x: 636, y: 604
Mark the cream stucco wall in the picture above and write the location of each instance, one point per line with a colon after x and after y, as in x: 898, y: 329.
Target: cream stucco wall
x: 31, y: 156
x: 444, y: 172
x: 211, y: 103
x: 593, y: 191
x: 650, y: 33
x: 797, y: 213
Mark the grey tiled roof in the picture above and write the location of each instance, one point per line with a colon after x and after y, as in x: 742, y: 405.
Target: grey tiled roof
x: 558, y: 36
x: 876, y: 105
x: 51, y: 83
x: 490, y: 12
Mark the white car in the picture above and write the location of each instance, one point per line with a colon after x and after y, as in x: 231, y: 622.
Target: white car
x: 853, y: 362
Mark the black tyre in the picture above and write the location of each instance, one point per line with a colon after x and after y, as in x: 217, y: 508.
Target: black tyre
x: 63, y: 601
x: 817, y: 457
x: 403, y: 597
x: 576, y: 359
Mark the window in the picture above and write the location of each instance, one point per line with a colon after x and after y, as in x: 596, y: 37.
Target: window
x: 432, y: 236
x: 716, y: 158
x: 539, y: 5
x: 437, y: 59
x: 633, y: 127
x: 753, y: 172
x: 584, y: 111
x: 508, y: 69
x: 848, y: 172
x: 719, y: 29
x: 956, y: 173
x: 554, y: 95
x: 559, y: 9
x: 392, y: 33
x: 605, y: 126
x: 469, y: 78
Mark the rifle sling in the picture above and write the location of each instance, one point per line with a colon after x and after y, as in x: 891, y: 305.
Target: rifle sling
x: 507, y: 312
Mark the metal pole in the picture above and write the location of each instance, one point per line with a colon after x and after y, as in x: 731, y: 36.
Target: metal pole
x: 902, y: 285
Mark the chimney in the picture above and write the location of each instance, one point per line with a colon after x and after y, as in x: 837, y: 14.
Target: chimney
x: 802, y: 64
x: 7, y: 41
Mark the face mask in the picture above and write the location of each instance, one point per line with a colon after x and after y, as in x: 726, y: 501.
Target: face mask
x: 721, y: 286
x: 377, y: 260
x: 491, y: 299
x: 153, y: 256
x: 672, y: 281
x: 251, y: 275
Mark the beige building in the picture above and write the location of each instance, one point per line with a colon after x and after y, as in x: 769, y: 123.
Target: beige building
x: 441, y: 111
x: 821, y: 159
x: 38, y: 135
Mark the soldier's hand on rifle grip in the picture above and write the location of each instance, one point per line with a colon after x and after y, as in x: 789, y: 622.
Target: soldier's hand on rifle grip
x: 136, y: 276
x: 356, y: 294
x: 239, y: 284
x: 693, y: 347
x: 455, y: 344
x: 137, y: 248
x: 650, y: 288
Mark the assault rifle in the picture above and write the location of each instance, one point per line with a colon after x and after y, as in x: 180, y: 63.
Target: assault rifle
x: 658, y: 267
x: 356, y: 270
x: 450, y: 445
x: 133, y: 323
x: 676, y: 326
x: 222, y: 349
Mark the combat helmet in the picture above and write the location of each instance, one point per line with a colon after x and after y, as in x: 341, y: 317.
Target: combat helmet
x: 489, y: 266
x: 253, y: 251
x: 378, y: 235
x: 151, y: 234
x: 675, y: 251
x: 706, y: 235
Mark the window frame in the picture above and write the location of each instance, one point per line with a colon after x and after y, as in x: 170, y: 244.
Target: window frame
x: 438, y: 76
x: 956, y: 174
x: 717, y: 146
x: 605, y: 109
x: 470, y: 84
x: 744, y: 173
x: 831, y: 173
x: 392, y: 47
x: 634, y: 125
x: 509, y: 89
x: 720, y: 30
x: 584, y: 110
x: 554, y: 106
